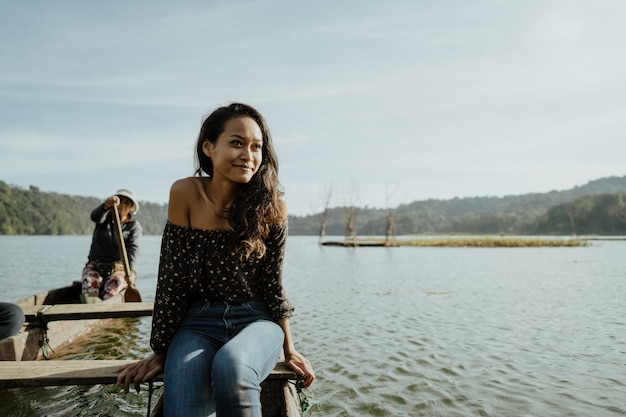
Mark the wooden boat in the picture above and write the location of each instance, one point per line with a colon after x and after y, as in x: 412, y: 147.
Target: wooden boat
x: 56, y: 317
x: 279, y: 396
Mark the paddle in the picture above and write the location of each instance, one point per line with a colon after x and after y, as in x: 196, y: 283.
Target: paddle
x: 132, y: 293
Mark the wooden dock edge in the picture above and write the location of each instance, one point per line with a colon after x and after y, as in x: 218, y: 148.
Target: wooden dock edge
x: 23, y: 374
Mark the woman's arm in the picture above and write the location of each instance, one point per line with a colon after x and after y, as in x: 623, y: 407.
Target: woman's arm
x: 298, y: 363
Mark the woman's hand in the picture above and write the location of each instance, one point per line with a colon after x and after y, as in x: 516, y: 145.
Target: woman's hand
x: 295, y: 361
x: 301, y: 366
x: 141, y: 371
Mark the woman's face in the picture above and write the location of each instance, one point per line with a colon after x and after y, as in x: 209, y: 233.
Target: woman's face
x: 238, y: 152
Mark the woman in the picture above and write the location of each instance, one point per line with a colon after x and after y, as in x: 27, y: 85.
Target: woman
x: 221, y: 317
x: 103, y: 276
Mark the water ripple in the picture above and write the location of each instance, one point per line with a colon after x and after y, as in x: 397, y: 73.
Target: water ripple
x: 427, y: 332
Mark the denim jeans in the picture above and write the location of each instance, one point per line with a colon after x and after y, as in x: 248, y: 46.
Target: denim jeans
x: 218, y: 359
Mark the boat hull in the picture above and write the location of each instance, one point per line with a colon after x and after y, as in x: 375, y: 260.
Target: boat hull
x: 27, y: 344
x: 278, y: 399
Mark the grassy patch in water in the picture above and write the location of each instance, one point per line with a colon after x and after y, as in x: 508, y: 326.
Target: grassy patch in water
x: 493, y: 242
x: 465, y: 242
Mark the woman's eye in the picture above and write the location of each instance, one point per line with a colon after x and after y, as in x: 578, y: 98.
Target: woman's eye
x: 236, y: 143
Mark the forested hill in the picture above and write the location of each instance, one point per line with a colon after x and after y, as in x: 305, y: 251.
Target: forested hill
x: 598, y: 207
x: 32, y: 212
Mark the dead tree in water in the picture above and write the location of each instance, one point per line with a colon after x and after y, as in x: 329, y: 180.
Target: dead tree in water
x: 323, y: 224
x: 324, y: 216
x: 351, y: 196
x: 351, y: 223
x: 390, y: 220
x: 390, y: 228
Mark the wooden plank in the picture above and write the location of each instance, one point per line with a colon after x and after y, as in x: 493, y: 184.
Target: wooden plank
x: 57, y: 373
x: 86, y: 311
x: 80, y: 372
x: 30, y: 312
x: 282, y: 371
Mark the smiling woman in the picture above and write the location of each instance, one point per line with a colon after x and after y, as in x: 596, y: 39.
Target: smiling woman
x: 221, y: 315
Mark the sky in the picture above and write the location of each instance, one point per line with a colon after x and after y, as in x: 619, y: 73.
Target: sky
x: 370, y: 103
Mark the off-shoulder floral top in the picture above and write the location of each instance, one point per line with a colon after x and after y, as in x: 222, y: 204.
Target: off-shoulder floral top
x: 198, y: 265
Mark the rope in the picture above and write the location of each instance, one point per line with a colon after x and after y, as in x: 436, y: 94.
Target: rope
x: 44, y: 343
x: 305, y: 402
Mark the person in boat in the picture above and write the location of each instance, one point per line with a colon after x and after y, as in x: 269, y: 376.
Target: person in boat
x: 103, y: 276
x: 11, y: 319
x: 221, y: 315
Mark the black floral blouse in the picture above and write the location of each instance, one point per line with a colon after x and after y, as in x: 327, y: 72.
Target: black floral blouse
x: 198, y: 265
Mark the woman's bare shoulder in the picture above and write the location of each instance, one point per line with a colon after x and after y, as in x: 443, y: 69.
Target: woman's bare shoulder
x: 184, y: 193
x: 184, y: 183
x: 185, y: 186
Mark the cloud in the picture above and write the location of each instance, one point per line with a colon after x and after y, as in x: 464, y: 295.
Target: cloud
x: 443, y: 99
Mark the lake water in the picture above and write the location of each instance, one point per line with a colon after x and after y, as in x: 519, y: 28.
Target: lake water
x: 394, y: 331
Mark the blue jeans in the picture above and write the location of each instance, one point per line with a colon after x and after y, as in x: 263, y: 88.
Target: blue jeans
x: 218, y: 359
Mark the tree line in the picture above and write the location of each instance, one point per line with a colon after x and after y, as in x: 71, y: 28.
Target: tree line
x: 33, y: 212
x: 598, y: 207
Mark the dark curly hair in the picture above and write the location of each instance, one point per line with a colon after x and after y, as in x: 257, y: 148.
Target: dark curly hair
x: 257, y: 206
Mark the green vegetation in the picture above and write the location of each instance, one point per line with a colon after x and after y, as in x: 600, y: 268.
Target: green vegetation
x: 597, y: 208
x: 32, y: 212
